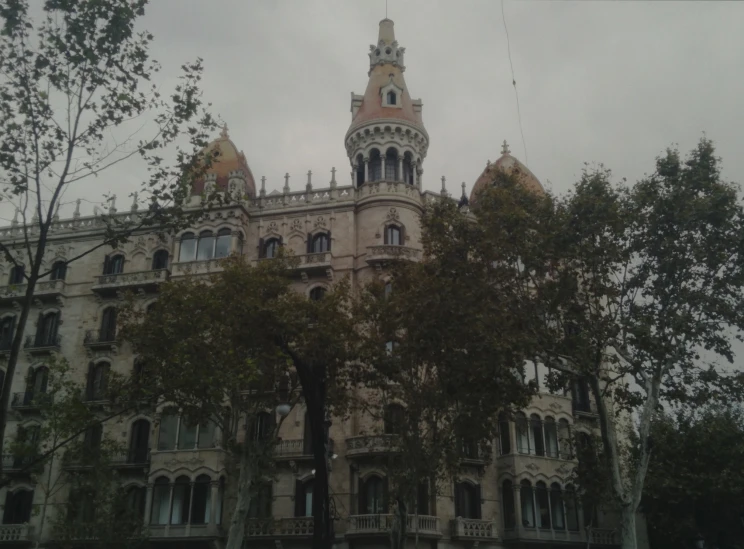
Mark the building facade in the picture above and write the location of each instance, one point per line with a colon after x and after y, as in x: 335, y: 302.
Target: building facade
x: 176, y: 474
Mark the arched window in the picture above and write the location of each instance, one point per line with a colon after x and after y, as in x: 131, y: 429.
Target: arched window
x: 393, y: 235
x: 393, y: 420
x: 467, y: 500
x: 27, y: 439
x: 201, y: 500
x: 263, y: 426
x: 108, y: 325
x: 304, y: 498
x: 551, y: 437
x: 160, y: 501
x: 168, y: 431
x: 260, y: 505
x: 317, y: 293
x: 17, y: 275
x: 37, y: 382
x: 359, y: 169
x: 504, y: 435
x: 537, y: 443
x: 271, y: 248
x: 373, y: 496
x: 139, y: 443
x: 580, y: 395
x: 18, y: 507
x: 391, y: 165
x: 97, y: 387
x: 528, y: 504
x: 92, y: 443
x: 188, y: 247
x: 543, y: 507
x: 206, y: 438
x: 113, y: 264
x: 46, y: 335
x: 181, y: 501
x: 320, y: 243
x: 205, y: 247
x: 408, y: 169
x: 136, y: 496
x: 523, y: 437
x: 160, y: 260
x: 187, y: 433
x: 507, y: 498
x: 391, y: 98
x: 7, y: 330
x: 564, y: 439
x: 222, y: 245
x: 572, y: 515
x: 556, y: 505
x: 375, y: 165
x: 59, y: 271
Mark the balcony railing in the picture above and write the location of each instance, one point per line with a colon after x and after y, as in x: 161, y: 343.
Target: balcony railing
x: 43, y: 344
x: 388, y: 252
x: 131, y: 458
x: 293, y: 448
x: 99, y: 339
x: 26, y: 400
x: 473, y: 529
x: 16, y: 532
x: 597, y: 536
x: 369, y: 445
x: 12, y: 462
x: 45, y: 289
x: 297, y: 527
x: 109, y: 284
x: 381, y: 524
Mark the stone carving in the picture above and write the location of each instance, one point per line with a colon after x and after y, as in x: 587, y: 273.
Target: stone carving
x: 320, y: 222
x: 532, y: 467
x: 393, y: 214
x: 273, y: 227
x: 297, y: 224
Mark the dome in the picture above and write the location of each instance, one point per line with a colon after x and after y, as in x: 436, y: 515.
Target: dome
x: 510, y: 165
x: 227, y: 161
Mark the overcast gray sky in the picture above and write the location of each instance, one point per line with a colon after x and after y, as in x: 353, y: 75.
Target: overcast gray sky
x: 611, y: 82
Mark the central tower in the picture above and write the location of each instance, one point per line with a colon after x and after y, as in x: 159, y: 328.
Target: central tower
x: 386, y: 140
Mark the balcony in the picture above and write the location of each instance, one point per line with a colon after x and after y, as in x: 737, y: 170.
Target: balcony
x: 201, y: 267
x: 473, y: 529
x: 46, y: 290
x: 597, y: 536
x: 39, y: 345
x: 10, y: 533
x: 307, y: 265
x: 185, y: 531
x: 26, y: 400
x: 109, y: 285
x: 98, y: 340
x: 293, y: 449
x: 296, y: 527
x: 379, y: 255
x: 370, y: 445
x: 131, y: 459
x: 15, y: 463
x: 366, y: 525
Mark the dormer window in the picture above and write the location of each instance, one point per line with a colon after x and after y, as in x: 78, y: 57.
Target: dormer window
x: 391, y: 98
x: 391, y: 94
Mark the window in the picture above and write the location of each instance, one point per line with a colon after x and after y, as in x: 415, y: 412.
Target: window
x: 359, y: 170
x: 543, y: 507
x: 59, y: 271
x: 160, y: 501
x: 222, y: 245
x: 507, y: 498
x: 188, y: 247
x: 181, y: 501
x: 468, y: 448
x: 537, y: 443
x: 528, y: 504
x: 98, y: 375
x: 205, y: 247
x: 160, y: 260
x: 556, y: 506
x: 27, y: 439
x: 304, y: 498
x: 393, y: 419
x: 113, y: 265
x: 375, y: 165
x: 420, y: 503
x: 572, y: 515
x: 580, y: 395
x: 551, y: 437
x: 271, y: 248
x: 37, y: 382
x: 17, y: 275
x: 523, y: 438
x: 46, y: 334
x: 373, y: 496
x: 391, y: 165
x: 168, y: 431
x: 317, y: 293
x: 206, y: 437
x: 393, y: 235
x: 391, y: 98
x: 564, y: 439
x: 263, y: 426
x: 136, y: 496
x: 108, y: 325
x: 467, y: 500
x: 187, y: 434
x: 92, y: 443
x: 7, y: 329
x: 82, y: 507
x: 139, y: 443
x: 18, y: 507
x: 504, y: 438
x: 260, y: 505
x: 408, y: 169
x: 320, y: 243
x: 201, y: 500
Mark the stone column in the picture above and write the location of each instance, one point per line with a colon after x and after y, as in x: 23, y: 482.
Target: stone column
x: 400, y: 169
x: 148, y: 504
x: 518, y: 506
x: 214, y: 501
x: 382, y: 163
x: 366, y: 170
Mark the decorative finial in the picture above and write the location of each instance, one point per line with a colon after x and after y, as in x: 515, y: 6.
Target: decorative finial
x: 55, y: 217
x: 135, y: 206
x: 488, y: 163
x: 286, y: 183
x: 14, y: 223
x: 223, y: 133
x: 35, y: 217
x: 464, y: 198
x: 263, y: 185
x: 309, y: 185
x: 112, y: 205
x: 444, y: 187
x: 505, y: 147
x: 77, y: 209
x: 333, y: 176
x: 463, y: 188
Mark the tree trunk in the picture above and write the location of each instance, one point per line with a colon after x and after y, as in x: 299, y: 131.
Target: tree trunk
x: 236, y: 533
x: 400, y: 524
x: 628, y: 528
x: 322, y: 535
x: 42, y: 519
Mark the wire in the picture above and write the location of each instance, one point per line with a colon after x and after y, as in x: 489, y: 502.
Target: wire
x: 514, y: 82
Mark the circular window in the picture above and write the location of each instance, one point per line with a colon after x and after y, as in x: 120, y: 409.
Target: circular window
x: 377, y: 52
x: 388, y: 51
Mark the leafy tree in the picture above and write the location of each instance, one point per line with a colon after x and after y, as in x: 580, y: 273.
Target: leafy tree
x: 636, y: 290
x: 239, y: 340
x: 446, y: 346
x: 76, y: 89
x: 694, y: 485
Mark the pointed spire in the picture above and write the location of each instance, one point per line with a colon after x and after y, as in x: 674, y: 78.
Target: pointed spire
x: 387, y: 31
x: 223, y: 133
x: 505, y: 148
x: 135, y: 206
x: 77, y: 209
x: 309, y: 186
x: 286, y: 183
x: 333, y: 177
x: 263, y: 185
x: 112, y: 205
x: 464, y: 198
x: 444, y: 186
x: 14, y: 223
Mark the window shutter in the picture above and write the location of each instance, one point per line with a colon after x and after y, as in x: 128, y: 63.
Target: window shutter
x: 329, y: 241
x: 458, y: 500
x: 261, y: 249
x: 299, y: 499
x: 27, y: 499
x: 385, y: 494
x: 363, y: 498
x: 477, y: 501
x: 106, y: 265
x: 8, y: 513
x: 309, y: 243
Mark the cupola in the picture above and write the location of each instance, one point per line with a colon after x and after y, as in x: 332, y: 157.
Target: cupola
x: 510, y: 165
x: 229, y: 170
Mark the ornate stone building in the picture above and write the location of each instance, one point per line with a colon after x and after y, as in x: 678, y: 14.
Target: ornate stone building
x: 176, y: 474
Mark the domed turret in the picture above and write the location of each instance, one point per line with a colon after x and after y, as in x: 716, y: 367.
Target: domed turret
x: 510, y: 165
x: 229, y: 170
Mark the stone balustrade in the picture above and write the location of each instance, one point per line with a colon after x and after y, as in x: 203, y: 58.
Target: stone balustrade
x: 474, y: 529
x: 44, y: 289
x: 381, y: 524
x: 203, y: 267
x: 368, y: 445
x: 597, y: 536
x: 16, y: 532
x: 292, y: 448
x: 388, y: 252
x: 294, y: 527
